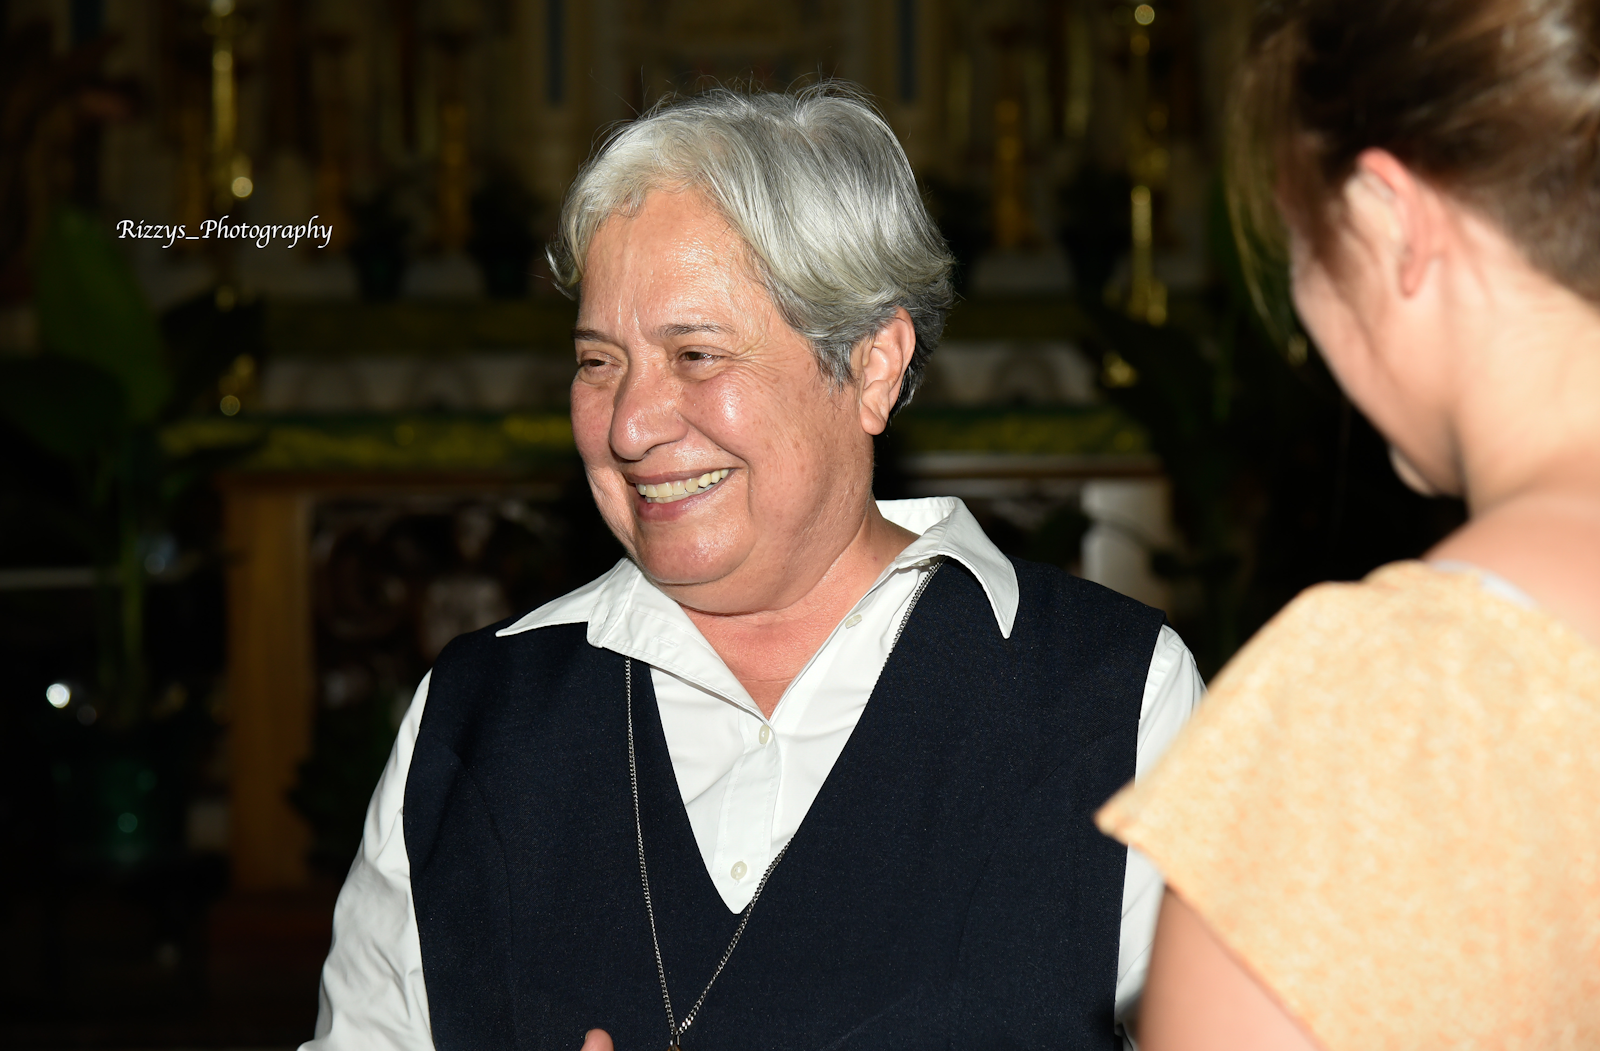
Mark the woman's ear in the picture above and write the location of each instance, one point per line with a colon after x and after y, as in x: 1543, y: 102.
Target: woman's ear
x: 1398, y: 214
x: 880, y: 368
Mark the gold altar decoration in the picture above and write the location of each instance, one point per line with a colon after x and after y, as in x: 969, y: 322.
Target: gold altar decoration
x: 1014, y: 226
x: 333, y: 41
x: 1147, y: 165
x: 230, y: 166
x: 1011, y: 223
x: 454, y: 224
x: 454, y: 177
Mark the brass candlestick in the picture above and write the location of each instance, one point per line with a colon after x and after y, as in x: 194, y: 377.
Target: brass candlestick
x: 454, y: 173
x: 332, y: 187
x: 1147, y: 164
x: 230, y: 167
x: 1011, y: 224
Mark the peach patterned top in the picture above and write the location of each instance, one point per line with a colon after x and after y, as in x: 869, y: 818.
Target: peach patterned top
x: 1389, y: 810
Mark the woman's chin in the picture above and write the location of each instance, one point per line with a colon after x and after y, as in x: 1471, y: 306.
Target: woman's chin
x: 1412, y: 477
x: 670, y: 563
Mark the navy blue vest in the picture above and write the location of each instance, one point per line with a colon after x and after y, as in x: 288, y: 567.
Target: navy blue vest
x: 946, y: 889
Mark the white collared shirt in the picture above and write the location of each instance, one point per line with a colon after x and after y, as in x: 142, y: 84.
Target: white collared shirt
x: 747, y: 780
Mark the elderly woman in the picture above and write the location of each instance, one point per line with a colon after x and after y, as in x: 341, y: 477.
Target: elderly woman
x: 804, y: 770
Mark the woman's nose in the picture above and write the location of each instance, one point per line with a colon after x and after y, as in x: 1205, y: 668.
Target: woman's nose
x: 645, y: 412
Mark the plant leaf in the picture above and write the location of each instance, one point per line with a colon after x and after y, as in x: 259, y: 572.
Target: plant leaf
x: 91, y: 308
x: 72, y: 409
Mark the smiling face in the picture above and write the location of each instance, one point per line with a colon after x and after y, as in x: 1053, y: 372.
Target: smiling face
x: 717, y: 452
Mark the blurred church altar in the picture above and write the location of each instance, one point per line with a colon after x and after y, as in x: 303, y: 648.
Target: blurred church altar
x: 254, y: 481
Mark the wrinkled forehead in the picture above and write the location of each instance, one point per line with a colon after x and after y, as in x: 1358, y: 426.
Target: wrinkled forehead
x: 673, y: 254
x: 673, y: 207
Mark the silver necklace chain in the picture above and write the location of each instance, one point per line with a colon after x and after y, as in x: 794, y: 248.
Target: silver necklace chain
x: 675, y: 1030
x: 673, y: 1027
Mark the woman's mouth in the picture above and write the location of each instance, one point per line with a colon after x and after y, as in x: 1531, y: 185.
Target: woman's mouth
x: 672, y: 492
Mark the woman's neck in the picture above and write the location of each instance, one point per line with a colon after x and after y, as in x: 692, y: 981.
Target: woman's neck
x: 1528, y: 432
x: 766, y: 649
x: 1527, y: 414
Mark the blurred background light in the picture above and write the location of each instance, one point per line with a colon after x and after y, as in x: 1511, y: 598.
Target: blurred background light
x: 59, y: 694
x: 161, y: 551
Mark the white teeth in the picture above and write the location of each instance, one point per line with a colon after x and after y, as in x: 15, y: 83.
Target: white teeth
x: 671, y: 492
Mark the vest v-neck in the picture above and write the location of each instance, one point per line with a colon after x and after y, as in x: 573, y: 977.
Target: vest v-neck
x: 670, y: 848
x: 946, y: 887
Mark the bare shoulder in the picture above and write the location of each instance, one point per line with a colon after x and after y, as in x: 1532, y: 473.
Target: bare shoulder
x: 1547, y: 546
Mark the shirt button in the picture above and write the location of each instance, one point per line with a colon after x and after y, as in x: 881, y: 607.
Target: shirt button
x: 765, y: 735
x: 739, y: 869
x: 852, y: 620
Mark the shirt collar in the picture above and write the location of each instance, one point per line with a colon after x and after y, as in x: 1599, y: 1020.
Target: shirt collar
x: 945, y: 527
x: 623, y: 604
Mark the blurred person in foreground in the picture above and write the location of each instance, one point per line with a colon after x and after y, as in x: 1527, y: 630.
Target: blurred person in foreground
x: 804, y: 770
x: 1383, y: 828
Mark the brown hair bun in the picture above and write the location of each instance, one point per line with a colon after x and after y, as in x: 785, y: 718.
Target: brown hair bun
x: 1495, y: 102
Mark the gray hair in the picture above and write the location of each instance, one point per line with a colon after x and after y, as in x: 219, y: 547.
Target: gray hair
x: 816, y: 185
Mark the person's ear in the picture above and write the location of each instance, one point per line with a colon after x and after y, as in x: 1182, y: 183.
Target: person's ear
x: 1398, y: 214
x: 880, y: 368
